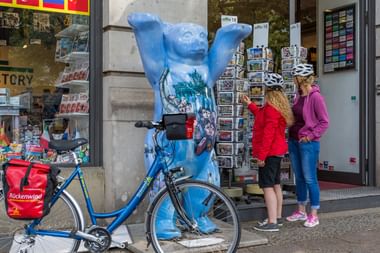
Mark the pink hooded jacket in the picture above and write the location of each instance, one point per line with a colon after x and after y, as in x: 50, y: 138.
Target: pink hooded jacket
x: 315, y: 115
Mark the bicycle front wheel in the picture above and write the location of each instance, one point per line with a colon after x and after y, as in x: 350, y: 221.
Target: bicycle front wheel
x: 216, y: 226
x: 63, y: 216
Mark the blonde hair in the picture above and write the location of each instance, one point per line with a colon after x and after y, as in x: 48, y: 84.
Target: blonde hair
x: 306, y: 80
x: 280, y: 102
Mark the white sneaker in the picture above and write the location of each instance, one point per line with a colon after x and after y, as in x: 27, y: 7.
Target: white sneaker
x: 311, y: 221
x: 296, y: 216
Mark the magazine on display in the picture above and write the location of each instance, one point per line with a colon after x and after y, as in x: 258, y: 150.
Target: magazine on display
x: 241, y: 85
x: 255, y: 53
x: 225, y: 98
x: 256, y: 65
x: 239, y: 123
x: 237, y: 59
x: 239, y: 111
x: 10, y: 20
x: 239, y: 148
x: 290, y: 88
x: 80, y: 43
x: 229, y: 72
x: 239, y: 161
x: 287, y: 76
x: 259, y: 101
x: 226, y: 123
x: 238, y: 97
x: 257, y: 90
x: 293, y: 52
x: 289, y: 64
x: 225, y: 136
x: 269, y: 66
x: 65, y: 46
x: 226, y: 110
x: 225, y: 162
x: 256, y: 77
x: 225, y: 85
x: 239, y: 136
x: 291, y: 98
x: 225, y: 148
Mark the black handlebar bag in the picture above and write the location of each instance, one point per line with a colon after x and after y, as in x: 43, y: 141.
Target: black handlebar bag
x: 179, y: 126
x: 28, y: 188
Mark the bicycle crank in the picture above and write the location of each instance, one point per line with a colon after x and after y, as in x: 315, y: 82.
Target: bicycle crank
x: 102, y: 242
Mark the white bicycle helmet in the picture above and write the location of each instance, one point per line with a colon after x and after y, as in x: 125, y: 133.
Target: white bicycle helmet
x: 303, y: 70
x: 273, y: 80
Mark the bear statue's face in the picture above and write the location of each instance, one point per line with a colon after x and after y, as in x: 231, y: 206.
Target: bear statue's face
x: 186, y: 42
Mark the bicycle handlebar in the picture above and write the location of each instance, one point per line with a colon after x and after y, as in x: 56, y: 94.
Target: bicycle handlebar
x: 146, y: 124
x: 150, y: 125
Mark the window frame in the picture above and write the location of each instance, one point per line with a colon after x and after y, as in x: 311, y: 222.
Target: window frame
x: 96, y: 84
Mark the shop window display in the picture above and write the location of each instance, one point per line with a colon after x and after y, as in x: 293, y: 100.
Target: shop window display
x: 44, y: 83
x: 275, y: 12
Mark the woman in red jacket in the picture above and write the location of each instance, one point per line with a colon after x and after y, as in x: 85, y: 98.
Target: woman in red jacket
x: 269, y: 146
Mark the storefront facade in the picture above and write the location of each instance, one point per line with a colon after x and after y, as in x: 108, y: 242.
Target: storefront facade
x: 347, y: 150
x: 119, y: 95
x: 349, y: 147
x: 377, y: 78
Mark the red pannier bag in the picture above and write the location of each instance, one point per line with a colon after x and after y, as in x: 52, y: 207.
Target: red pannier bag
x: 28, y: 188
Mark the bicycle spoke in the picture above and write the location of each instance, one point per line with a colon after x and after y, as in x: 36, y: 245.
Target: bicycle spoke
x: 62, y: 216
x: 218, y: 227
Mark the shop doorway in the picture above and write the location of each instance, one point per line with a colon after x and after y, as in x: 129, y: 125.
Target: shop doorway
x: 343, y: 148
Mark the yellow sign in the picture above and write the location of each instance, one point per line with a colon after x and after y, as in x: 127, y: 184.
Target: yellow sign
x: 80, y: 7
x: 16, y: 79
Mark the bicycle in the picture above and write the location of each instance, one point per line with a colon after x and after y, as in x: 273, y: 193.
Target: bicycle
x: 70, y: 229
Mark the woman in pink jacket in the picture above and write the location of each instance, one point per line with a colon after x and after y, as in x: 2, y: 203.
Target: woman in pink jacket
x: 311, y: 122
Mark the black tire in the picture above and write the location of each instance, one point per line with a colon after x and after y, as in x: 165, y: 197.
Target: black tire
x: 63, y: 216
x: 221, y: 212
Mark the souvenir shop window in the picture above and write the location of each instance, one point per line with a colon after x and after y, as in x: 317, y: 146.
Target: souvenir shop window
x: 275, y: 12
x: 44, y: 82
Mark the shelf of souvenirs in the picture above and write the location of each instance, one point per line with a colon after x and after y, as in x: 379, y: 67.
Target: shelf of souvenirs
x: 9, y: 110
x: 72, y: 30
x: 72, y: 115
x: 74, y: 56
x: 82, y: 84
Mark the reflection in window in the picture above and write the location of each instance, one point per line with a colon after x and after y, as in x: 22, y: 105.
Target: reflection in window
x: 276, y: 12
x: 44, y: 83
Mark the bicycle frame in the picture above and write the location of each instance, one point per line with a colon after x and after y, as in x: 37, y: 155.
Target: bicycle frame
x: 119, y: 215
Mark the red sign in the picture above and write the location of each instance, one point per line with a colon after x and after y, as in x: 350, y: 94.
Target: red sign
x: 29, y: 2
x: 55, y: 4
x: 78, y: 5
x: 81, y: 7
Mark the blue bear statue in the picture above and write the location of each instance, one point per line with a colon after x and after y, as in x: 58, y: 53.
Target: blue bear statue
x: 182, y: 72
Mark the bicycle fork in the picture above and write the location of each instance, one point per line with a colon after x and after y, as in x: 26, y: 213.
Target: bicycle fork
x: 173, y: 194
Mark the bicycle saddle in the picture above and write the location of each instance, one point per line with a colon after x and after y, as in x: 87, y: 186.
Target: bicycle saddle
x: 66, y: 145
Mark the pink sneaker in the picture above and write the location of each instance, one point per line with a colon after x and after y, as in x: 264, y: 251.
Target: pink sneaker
x: 296, y: 216
x: 311, y: 221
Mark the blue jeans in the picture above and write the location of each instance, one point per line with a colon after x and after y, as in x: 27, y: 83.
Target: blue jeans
x: 304, y: 158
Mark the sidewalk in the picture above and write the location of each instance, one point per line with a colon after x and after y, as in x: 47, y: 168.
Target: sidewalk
x: 355, y: 231
x: 348, y: 231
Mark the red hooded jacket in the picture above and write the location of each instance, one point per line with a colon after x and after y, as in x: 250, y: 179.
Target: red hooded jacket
x: 268, y: 138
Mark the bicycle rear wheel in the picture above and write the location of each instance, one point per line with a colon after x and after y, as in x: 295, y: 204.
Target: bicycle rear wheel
x: 63, y: 216
x: 218, y: 212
